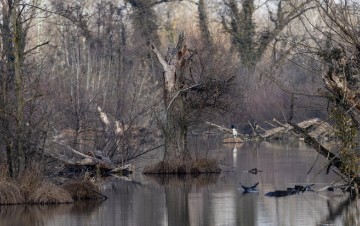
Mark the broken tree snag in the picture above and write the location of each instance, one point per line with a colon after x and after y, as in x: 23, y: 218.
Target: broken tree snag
x: 168, y: 69
x: 174, y: 60
x: 333, y: 159
x: 176, y: 120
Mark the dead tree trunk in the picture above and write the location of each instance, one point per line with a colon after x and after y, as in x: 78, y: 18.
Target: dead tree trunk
x: 176, y: 123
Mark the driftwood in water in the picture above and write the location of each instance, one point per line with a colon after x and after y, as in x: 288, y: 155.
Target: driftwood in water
x: 221, y: 128
x: 123, y: 170
x: 333, y: 159
x: 314, y: 127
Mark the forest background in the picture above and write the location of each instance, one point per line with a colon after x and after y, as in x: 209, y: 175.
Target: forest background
x: 81, y: 75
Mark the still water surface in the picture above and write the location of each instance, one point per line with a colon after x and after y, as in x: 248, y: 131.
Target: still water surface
x: 210, y: 199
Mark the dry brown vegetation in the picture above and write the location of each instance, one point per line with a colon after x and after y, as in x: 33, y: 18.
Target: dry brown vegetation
x: 32, y: 188
x: 181, y: 179
x: 30, y: 180
x: 10, y: 193
x: 80, y: 190
x: 182, y: 167
x: 49, y: 193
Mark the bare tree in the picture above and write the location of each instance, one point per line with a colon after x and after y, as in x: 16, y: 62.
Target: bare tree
x: 250, y: 41
x: 335, y: 45
x: 20, y: 87
x: 188, y: 89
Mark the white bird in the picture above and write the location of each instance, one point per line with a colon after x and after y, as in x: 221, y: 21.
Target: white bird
x: 234, y: 131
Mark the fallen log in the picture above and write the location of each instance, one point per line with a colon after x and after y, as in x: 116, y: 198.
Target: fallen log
x: 333, y: 159
x: 123, y: 170
x: 226, y: 130
x: 90, y: 160
x: 314, y: 127
x: 220, y: 127
x: 97, y: 162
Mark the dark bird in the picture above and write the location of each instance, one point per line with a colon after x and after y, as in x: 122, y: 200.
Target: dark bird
x: 331, y: 189
x: 250, y: 189
x: 254, y: 171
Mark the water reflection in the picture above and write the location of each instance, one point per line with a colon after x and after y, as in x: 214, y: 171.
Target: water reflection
x: 209, y: 199
x: 345, y: 212
x: 39, y: 215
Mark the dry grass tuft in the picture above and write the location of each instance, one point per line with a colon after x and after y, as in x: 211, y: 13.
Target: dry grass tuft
x: 49, y: 193
x: 187, y: 180
x: 162, y: 167
x: 30, y: 180
x: 83, y: 190
x: 159, y: 167
x: 10, y: 193
x: 181, y: 167
x: 205, y: 166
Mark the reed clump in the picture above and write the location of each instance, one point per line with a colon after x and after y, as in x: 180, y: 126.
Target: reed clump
x: 184, y: 167
x: 49, y: 193
x: 30, y: 188
x: 83, y: 190
x: 205, y: 166
x: 10, y: 193
x: 30, y: 180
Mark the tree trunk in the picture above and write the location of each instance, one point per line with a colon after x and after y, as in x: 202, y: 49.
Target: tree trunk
x: 176, y: 131
x: 204, y: 23
x: 6, y: 81
x: 18, y: 42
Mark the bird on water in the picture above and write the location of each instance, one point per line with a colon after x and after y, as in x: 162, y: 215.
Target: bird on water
x: 250, y: 189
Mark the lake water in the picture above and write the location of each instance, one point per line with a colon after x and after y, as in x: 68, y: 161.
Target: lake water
x: 210, y: 199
